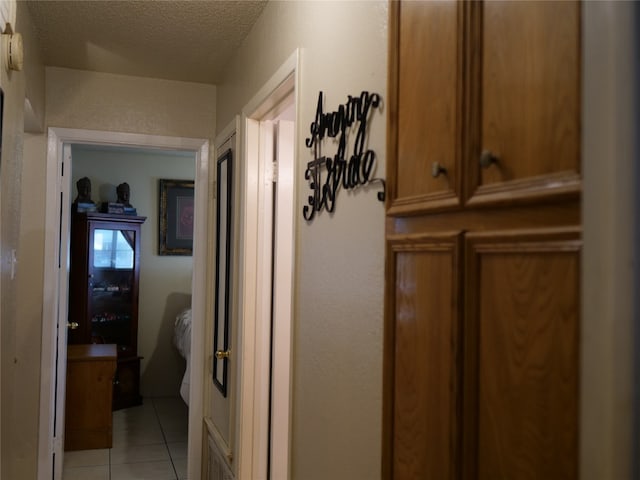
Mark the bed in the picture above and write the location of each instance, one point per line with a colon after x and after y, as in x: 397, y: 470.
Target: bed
x: 182, y: 341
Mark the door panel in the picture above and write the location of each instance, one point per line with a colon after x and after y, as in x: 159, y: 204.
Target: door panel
x: 221, y: 404
x: 522, y: 356
x: 60, y: 373
x: 427, y: 106
x: 529, y: 99
x: 426, y: 385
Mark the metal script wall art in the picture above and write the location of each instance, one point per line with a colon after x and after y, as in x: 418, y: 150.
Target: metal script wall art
x: 349, y: 173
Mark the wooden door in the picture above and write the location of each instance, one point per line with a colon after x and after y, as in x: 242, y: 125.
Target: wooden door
x: 425, y: 373
x: 521, y: 355
x: 425, y: 105
x: 524, y: 87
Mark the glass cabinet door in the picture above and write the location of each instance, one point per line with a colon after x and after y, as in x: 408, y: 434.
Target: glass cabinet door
x: 111, y: 281
x: 113, y: 248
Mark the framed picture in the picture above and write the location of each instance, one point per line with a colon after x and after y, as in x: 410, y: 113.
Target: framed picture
x: 224, y: 228
x: 175, y: 236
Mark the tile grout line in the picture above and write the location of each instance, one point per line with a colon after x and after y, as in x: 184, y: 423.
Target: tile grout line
x: 164, y: 437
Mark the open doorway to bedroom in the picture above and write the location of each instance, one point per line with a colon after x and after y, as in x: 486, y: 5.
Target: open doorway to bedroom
x: 60, y: 194
x: 151, y: 387
x: 165, y: 278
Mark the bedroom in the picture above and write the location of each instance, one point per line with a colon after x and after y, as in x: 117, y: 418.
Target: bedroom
x: 165, y: 280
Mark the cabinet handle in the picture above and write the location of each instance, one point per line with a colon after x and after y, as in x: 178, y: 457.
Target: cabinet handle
x: 437, y: 169
x: 222, y: 354
x: 487, y: 159
x: 72, y: 325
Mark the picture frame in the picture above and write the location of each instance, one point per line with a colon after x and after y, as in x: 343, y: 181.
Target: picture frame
x: 224, y: 230
x: 175, y: 223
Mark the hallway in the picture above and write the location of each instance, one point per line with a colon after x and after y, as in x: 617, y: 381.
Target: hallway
x: 149, y: 443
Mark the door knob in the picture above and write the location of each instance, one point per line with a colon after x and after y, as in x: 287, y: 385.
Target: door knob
x: 222, y: 354
x: 72, y: 325
x: 487, y: 159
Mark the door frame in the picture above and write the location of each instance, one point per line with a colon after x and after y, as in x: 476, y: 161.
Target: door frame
x: 53, y: 313
x: 255, y: 285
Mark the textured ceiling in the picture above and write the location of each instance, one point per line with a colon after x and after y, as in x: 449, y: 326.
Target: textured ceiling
x: 188, y: 40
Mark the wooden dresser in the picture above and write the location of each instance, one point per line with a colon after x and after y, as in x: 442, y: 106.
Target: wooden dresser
x: 90, y: 372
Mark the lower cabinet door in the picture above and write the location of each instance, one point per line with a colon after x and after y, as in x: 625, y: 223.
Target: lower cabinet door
x: 522, y: 316
x: 126, y: 387
x: 423, y: 357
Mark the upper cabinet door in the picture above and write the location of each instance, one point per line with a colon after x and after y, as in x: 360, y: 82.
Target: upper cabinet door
x: 524, y: 100
x: 424, y: 105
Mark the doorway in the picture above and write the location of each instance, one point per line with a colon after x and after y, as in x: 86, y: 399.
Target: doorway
x: 53, y: 366
x: 165, y: 277
x: 149, y: 379
x: 248, y: 430
x: 267, y: 276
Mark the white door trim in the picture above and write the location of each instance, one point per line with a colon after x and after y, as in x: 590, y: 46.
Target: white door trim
x: 253, y: 417
x: 57, y: 137
x: 283, y: 277
x: 51, y: 432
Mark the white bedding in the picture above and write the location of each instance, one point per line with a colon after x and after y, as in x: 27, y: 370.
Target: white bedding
x: 182, y: 341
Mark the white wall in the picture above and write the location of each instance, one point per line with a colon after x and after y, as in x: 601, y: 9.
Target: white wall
x: 610, y: 392
x: 118, y: 103
x: 21, y: 218
x: 33, y: 72
x: 339, y: 277
x: 165, y: 281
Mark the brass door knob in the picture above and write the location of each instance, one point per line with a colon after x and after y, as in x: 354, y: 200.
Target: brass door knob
x: 222, y: 354
x: 72, y: 325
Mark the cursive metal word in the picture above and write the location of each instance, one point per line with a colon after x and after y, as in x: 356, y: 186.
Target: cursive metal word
x: 340, y: 172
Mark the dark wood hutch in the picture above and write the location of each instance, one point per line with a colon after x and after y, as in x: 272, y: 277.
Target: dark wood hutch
x: 103, y: 293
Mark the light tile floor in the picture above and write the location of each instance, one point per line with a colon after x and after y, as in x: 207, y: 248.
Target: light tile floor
x: 149, y: 443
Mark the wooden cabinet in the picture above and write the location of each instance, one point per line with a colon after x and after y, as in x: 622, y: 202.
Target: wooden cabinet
x: 483, y: 236
x: 524, y: 101
x: 484, y: 104
x: 88, y: 417
x: 426, y: 338
x: 522, y: 301
x: 126, y: 386
x: 425, y: 105
x: 103, y: 292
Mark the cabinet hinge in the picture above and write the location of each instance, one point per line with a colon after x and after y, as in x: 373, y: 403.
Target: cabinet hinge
x: 274, y: 172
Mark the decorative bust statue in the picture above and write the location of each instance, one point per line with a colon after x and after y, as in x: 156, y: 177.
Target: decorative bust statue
x: 123, y: 194
x: 84, y: 191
